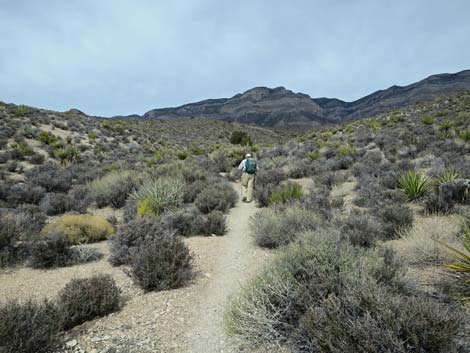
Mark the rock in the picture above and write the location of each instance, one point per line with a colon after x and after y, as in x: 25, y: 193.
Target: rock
x: 71, y: 344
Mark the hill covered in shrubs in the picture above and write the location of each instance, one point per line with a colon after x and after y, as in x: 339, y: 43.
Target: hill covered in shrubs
x: 369, y: 220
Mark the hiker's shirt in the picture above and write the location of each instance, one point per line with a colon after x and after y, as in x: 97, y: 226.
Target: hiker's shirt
x: 242, y: 166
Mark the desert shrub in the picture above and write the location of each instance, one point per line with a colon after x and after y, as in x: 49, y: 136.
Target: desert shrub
x: 69, y: 154
x: 36, y: 158
x: 51, y: 177
x: 161, y: 262
x: 465, y: 136
x: 362, y: 229
x: 427, y: 120
x: 54, y: 251
x: 88, y: 298
x: 240, y: 138
x: 273, y: 176
x: 324, y: 295
x: 454, y: 191
x: 369, y: 318
x: 130, y: 234
x: 274, y: 227
x: 265, y: 183
x: 113, y: 189
x: 25, y: 194
x: 158, y: 196
x: 299, y: 169
x: 28, y: 327
x: 395, y: 218
x: 54, y: 204
x: 9, y: 234
x: 185, y: 222
x: 318, y: 200
x: 219, y: 196
x: 80, y: 198
x: 214, y: 224
x: 419, y: 245
x: 81, y: 228
x: 12, y: 166
x: 288, y: 192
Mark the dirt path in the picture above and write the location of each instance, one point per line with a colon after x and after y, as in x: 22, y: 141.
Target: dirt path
x: 236, y: 261
x: 188, y: 319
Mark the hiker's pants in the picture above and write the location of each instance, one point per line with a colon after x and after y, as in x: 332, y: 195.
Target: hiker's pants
x: 248, y: 181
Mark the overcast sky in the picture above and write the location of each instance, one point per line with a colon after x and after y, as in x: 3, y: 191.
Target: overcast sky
x: 110, y: 57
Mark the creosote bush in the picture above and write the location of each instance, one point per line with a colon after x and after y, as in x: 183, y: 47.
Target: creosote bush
x: 28, y: 327
x: 274, y: 227
x: 113, y: 189
x: 130, y: 235
x: 216, y: 197
x: 88, y: 298
x: 324, y: 295
x: 81, y: 228
x: 161, y: 262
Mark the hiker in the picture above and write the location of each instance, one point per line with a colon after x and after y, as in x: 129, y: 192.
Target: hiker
x: 248, y: 167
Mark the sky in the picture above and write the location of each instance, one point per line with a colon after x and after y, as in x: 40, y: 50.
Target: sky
x: 119, y: 57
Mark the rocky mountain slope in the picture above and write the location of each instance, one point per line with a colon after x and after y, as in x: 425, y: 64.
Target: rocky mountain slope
x: 281, y: 107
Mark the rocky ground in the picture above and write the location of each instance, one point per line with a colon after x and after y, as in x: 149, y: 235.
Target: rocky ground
x: 188, y: 319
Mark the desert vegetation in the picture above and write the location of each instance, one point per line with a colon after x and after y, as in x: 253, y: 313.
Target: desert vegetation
x: 367, y: 222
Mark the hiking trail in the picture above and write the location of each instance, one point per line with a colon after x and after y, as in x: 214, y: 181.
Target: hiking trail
x: 236, y: 261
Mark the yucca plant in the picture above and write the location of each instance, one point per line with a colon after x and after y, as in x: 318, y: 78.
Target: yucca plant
x: 462, y: 261
x: 447, y: 175
x: 157, y: 196
x: 414, y: 185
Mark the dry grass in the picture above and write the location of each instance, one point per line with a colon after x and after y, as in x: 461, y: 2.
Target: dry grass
x: 81, y: 228
x: 419, y: 245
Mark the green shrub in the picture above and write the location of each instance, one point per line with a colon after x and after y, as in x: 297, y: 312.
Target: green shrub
x: 460, y: 268
x: 47, y: 138
x: 182, y: 155
x: 427, y: 120
x: 161, y: 262
x: 314, y: 155
x: 157, y: 196
x: 113, y: 189
x: 81, y: 228
x: 465, y: 136
x: 21, y: 111
x: 67, y: 155
x: 240, y: 138
x: 88, y: 298
x: 447, y: 175
x: 219, y: 196
x: 446, y: 126
x: 272, y: 228
x: 289, y: 192
x: 414, y: 185
x: 28, y: 327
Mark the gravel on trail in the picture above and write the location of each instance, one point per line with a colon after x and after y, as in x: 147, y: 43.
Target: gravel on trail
x: 188, y: 319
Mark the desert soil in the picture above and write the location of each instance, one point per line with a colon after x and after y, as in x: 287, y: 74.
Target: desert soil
x: 188, y: 319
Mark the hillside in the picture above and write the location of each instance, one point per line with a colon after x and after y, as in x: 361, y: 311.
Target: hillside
x: 281, y: 107
x: 111, y: 241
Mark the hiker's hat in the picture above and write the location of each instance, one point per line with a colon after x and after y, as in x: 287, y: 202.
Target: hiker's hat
x: 248, y: 155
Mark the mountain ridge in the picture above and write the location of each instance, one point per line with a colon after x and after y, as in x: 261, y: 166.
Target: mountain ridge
x: 281, y: 107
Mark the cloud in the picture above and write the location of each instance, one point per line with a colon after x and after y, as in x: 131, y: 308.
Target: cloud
x: 113, y: 57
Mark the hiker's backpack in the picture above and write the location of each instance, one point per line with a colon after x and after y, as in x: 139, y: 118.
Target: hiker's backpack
x: 250, y: 166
